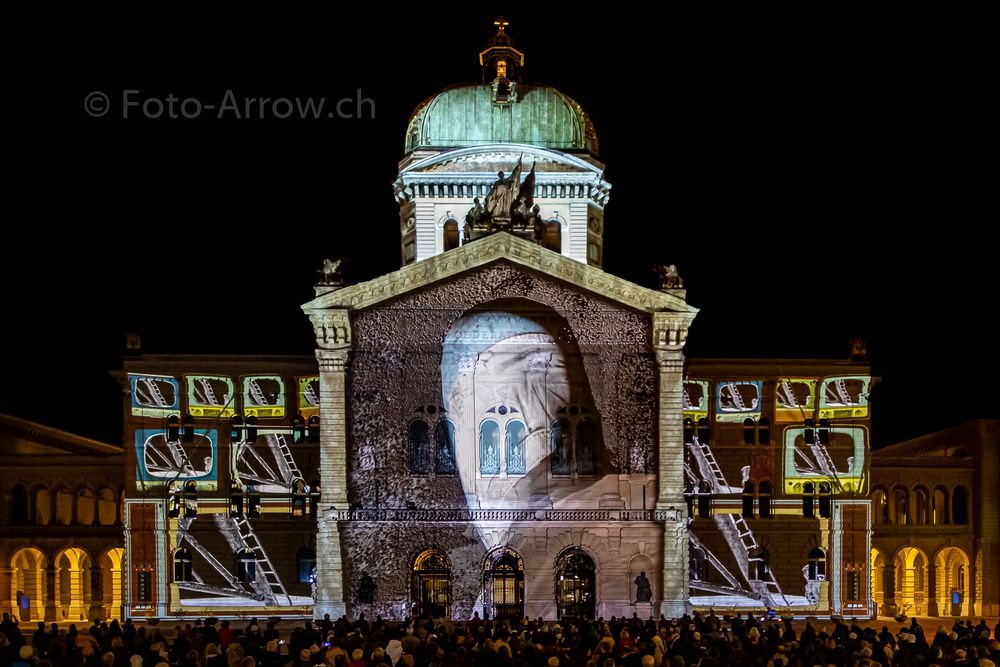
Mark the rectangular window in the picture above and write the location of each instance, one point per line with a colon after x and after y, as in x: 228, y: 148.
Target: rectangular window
x: 853, y: 585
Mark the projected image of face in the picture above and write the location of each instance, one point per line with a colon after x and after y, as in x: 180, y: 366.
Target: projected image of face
x: 517, y: 397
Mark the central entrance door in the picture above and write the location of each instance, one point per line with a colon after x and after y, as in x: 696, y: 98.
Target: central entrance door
x: 575, y: 584
x: 503, y: 584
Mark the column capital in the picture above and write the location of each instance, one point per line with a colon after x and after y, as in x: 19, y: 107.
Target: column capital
x: 333, y: 361
x: 670, y: 330
x: 332, y: 328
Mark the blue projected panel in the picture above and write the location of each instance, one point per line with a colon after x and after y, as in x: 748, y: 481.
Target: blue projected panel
x: 163, y: 461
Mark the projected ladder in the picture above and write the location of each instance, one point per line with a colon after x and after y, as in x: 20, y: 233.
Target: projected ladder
x: 235, y: 587
x: 268, y: 583
x: 154, y: 392
x: 737, y: 397
x: 314, y: 399
x: 734, y: 526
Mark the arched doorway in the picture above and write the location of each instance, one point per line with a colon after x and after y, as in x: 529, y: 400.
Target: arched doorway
x: 503, y: 584
x: 72, y: 584
x: 431, y: 584
x: 27, y: 594
x: 878, y: 584
x: 111, y: 581
x: 953, y: 582
x: 575, y: 584
x: 911, y: 581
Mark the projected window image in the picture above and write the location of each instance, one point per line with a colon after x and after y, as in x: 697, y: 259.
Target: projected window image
x: 794, y: 399
x: 154, y: 395
x: 844, y: 397
x: 264, y: 396
x: 210, y: 396
x: 695, y: 399
x: 737, y: 400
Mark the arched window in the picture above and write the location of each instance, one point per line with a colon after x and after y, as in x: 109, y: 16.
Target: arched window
x: 697, y: 564
x: 959, y: 505
x: 586, y: 447
x: 246, y: 565
x: 182, y: 565
x: 489, y: 448
x: 514, y: 444
x: 444, y: 446
x: 688, y: 431
x: 921, y: 502
x: 748, y: 500
x: 424, y: 456
x: 704, y: 500
x: 431, y: 583
x: 703, y: 430
x: 880, y: 507
x: 419, y: 447
x: 939, y: 506
x: 574, y: 442
x: 307, y: 565
x: 190, y: 500
x: 899, y: 506
x: 764, y: 499
x: 748, y: 431
x: 808, y: 498
x: 764, y: 431
x: 758, y: 565
x: 19, y: 505
x: 825, y: 500
x: 561, y: 446
x: 503, y: 442
x: 553, y: 236
x: 451, y: 234
x: 816, y: 569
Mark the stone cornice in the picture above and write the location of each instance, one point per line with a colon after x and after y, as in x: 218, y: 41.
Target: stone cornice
x: 501, y: 247
x: 45, y: 435
x: 489, y: 151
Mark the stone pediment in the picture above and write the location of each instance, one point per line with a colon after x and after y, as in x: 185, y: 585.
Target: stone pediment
x: 491, y: 159
x: 501, y: 246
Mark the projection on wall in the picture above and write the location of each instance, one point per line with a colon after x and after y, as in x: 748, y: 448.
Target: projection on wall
x: 844, y: 397
x: 794, y: 399
x: 154, y: 395
x: 308, y: 395
x: 162, y: 461
x: 270, y: 464
x: 517, y: 395
x: 210, y: 396
x: 224, y: 561
x: 737, y: 400
x: 835, y: 455
x: 264, y: 396
x: 696, y: 399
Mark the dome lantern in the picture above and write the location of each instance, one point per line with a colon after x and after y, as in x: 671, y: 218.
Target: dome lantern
x: 502, y: 62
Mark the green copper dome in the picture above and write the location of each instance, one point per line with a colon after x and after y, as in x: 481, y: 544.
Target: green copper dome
x: 467, y: 115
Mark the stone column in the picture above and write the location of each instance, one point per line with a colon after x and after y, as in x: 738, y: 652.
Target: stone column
x: 669, y: 334
x: 889, y: 590
x: 933, y: 609
x: 96, y: 609
x: 333, y: 336
x: 8, y: 599
x: 51, y: 593
x: 985, y: 501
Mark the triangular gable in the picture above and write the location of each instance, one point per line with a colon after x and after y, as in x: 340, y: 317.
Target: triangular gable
x: 498, y: 247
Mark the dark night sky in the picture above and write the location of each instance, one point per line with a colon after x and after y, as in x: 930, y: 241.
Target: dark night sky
x: 815, y: 178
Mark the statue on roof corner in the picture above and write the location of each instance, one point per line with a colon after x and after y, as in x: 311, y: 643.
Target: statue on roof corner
x: 331, y: 272
x: 669, y: 277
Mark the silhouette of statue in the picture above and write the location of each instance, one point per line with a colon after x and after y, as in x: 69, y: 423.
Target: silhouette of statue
x: 643, y: 591
x: 366, y: 589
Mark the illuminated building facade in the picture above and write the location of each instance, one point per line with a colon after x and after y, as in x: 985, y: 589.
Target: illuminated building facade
x: 503, y: 427
x: 936, y: 533
x: 61, y: 531
x: 222, y: 484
